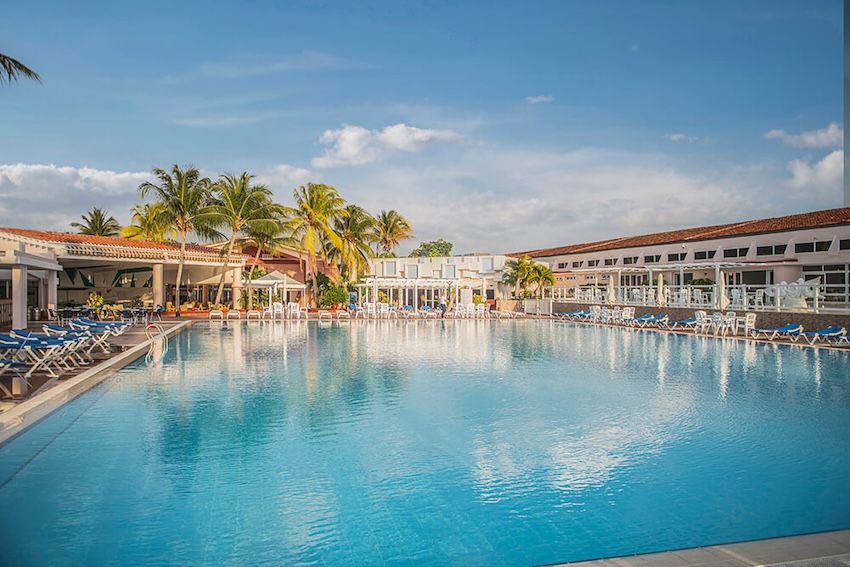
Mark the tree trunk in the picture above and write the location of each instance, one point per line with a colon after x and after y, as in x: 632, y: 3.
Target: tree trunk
x: 251, y: 280
x: 224, y: 269
x: 179, y: 274
x: 311, y: 261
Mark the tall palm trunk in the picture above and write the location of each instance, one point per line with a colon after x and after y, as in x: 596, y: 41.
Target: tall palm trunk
x: 251, y: 279
x: 311, y: 261
x: 180, y: 273
x: 224, y: 272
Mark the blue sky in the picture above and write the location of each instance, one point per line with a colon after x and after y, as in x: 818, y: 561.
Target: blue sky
x: 499, y: 125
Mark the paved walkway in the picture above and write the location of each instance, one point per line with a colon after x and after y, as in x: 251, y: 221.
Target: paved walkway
x: 41, y: 382
x: 816, y: 550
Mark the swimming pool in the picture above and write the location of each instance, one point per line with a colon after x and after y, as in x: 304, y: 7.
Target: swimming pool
x: 461, y: 442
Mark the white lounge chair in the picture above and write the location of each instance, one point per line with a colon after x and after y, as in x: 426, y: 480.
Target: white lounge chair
x: 234, y: 314
x: 325, y: 314
x: 294, y: 310
x: 216, y: 314
x: 253, y: 314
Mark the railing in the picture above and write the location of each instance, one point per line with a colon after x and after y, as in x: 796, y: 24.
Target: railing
x: 776, y: 297
x: 5, y: 312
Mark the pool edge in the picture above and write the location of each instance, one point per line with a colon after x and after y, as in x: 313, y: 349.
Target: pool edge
x: 30, y: 412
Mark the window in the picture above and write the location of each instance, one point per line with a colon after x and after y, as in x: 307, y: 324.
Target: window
x: 577, y: 264
x: 680, y: 257
x: 774, y: 250
x: 562, y: 265
x: 610, y: 261
x: 412, y: 271
x: 652, y: 259
x: 844, y: 244
x: 630, y: 260
x: 449, y: 271
x: 592, y: 263
x: 817, y: 246
x: 487, y: 264
x: 704, y: 254
x: 389, y: 268
x: 735, y: 252
x: 836, y: 281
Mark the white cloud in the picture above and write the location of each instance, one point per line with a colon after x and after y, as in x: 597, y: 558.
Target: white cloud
x: 486, y: 199
x: 539, y: 99
x: 253, y: 65
x: 830, y: 137
x: 356, y: 145
x: 285, y: 176
x: 680, y: 137
x: 51, y: 197
x: 825, y: 175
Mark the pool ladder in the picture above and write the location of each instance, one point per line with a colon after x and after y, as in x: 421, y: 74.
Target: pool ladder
x: 158, y: 344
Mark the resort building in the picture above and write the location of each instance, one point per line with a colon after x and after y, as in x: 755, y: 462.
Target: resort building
x: 758, y: 263
x: 423, y: 281
x: 46, y: 270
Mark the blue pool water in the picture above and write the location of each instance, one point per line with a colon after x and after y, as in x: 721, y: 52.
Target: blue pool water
x: 463, y: 442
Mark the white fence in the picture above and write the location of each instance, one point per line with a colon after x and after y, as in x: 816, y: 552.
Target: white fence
x: 537, y: 306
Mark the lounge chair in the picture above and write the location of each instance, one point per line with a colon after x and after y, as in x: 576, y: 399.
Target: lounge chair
x: 325, y: 314
x: 783, y: 331
x: 683, y: 324
x: 99, y: 337
x: 342, y: 314
x: 216, y: 314
x: 234, y: 314
x: 824, y: 334
x: 15, y: 366
x: 656, y: 320
x: 252, y: 314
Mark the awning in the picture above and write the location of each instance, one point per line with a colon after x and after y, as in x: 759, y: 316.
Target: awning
x: 276, y: 279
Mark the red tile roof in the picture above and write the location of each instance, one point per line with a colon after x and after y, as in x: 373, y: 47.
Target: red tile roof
x: 815, y: 219
x: 74, y: 238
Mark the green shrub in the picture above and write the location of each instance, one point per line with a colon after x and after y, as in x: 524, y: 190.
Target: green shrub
x: 334, y: 296
x: 477, y: 299
x: 95, y: 300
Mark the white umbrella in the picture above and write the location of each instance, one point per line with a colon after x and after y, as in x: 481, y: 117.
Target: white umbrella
x: 612, y: 293
x: 660, y: 291
x: 723, y: 300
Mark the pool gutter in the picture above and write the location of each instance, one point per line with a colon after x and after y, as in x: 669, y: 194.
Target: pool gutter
x: 29, y: 412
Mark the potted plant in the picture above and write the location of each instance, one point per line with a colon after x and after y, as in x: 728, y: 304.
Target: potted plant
x: 333, y: 297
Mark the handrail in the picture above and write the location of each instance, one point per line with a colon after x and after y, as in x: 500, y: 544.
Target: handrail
x: 156, y: 336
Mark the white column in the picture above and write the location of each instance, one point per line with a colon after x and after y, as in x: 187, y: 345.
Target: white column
x: 236, y: 286
x: 19, y: 297
x: 158, y: 285
x: 415, y: 295
x: 52, y: 287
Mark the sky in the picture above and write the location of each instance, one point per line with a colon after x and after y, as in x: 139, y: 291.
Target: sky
x: 499, y: 126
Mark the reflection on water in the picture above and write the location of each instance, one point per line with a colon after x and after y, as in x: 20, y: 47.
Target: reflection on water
x: 433, y: 441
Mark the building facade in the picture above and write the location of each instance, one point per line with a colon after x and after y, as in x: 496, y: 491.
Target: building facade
x: 748, y: 255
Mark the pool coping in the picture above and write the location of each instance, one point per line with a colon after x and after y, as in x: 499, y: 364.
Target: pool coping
x: 796, y: 550
x: 28, y: 413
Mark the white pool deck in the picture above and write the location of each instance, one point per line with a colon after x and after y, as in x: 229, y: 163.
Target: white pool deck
x: 813, y: 550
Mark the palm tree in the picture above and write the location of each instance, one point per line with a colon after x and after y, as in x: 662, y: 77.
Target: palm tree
x: 355, y: 231
x: 12, y: 69
x: 317, y: 206
x: 184, y: 196
x: 517, y: 273
x: 542, y: 276
x: 238, y: 205
x: 265, y: 240
x: 97, y: 223
x: 391, y: 228
x: 149, y: 222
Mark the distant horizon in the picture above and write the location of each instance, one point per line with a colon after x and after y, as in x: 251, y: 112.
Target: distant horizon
x: 501, y: 126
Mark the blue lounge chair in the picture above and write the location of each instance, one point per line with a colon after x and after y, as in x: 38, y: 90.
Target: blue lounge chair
x: 656, y: 320
x: 783, y: 331
x: 16, y: 366
x: 688, y: 323
x: 812, y: 337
